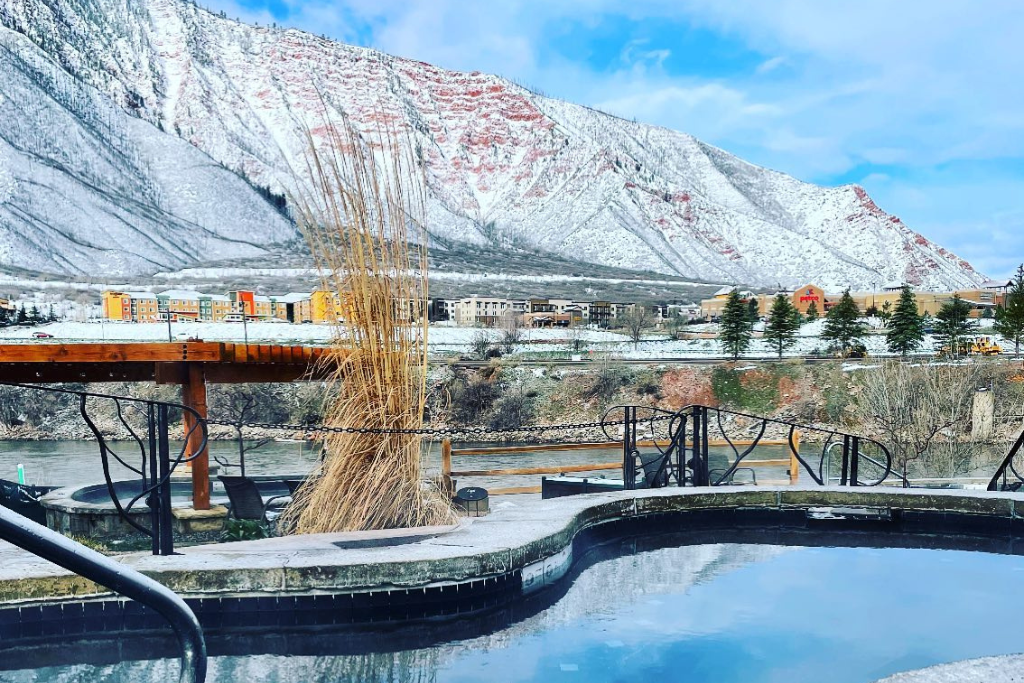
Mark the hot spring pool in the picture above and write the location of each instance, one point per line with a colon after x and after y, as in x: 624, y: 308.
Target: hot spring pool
x: 632, y: 611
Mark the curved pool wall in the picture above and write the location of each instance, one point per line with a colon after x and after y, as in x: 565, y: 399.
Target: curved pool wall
x: 496, y: 560
x: 88, y: 510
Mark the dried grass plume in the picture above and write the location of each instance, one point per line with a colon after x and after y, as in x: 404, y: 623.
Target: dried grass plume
x: 363, y: 219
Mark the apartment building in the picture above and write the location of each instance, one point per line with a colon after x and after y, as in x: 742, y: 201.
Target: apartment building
x: 479, y: 310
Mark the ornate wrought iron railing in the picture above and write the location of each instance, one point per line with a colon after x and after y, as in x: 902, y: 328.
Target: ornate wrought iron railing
x: 146, y: 425
x: 682, y: 438
x: 1007, y: 476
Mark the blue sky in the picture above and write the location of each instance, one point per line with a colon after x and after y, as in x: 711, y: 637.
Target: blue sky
x: 921, y: 102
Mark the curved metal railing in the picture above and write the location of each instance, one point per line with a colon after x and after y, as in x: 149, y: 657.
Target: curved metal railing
x: 1001, y: 480
x: 119, y: 578
x: 146, y: 423
x: 685, y: 453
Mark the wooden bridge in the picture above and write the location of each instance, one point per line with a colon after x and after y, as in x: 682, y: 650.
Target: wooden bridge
x: 189, y: 364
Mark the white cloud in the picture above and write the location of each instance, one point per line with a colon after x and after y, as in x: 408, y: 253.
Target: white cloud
x: 770, y: 65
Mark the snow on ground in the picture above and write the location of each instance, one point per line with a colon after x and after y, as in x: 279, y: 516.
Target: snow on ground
x: 440, y: 338
x: 443, y: 339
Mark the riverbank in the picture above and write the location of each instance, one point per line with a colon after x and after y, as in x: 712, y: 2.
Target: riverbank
x: 505, y: 396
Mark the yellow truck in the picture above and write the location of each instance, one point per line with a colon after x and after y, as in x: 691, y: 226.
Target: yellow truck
x: 979, y: 346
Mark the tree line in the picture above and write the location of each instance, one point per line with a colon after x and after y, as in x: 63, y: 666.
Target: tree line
x: 953, y: 327
x: 31, y: 316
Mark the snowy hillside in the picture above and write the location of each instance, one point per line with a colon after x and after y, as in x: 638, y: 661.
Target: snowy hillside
x: 87, y: 189
x: 503, y: 165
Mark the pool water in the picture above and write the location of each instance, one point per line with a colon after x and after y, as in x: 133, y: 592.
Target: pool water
x: 722, y: 613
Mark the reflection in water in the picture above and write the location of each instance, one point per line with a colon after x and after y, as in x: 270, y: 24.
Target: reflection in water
x: 722, y: 613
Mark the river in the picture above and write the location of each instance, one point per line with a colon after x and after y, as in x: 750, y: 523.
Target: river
x: 65, y: 463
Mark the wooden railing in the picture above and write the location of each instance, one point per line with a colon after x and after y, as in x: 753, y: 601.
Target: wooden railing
x: 448, y: 475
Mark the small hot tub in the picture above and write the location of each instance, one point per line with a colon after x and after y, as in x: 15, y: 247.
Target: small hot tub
x: 88, y: 510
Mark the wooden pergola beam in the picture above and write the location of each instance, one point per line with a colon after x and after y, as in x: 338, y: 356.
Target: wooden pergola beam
x: 189, y: 364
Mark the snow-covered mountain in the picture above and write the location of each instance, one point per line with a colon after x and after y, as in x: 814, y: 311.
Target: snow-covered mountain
x: 87, y: 189
x: 503, y: 164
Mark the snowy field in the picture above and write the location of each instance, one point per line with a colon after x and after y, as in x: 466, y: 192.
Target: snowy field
x: 444, y: 339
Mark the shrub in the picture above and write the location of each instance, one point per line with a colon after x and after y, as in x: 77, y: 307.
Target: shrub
x: 606, y: 382
x: 512, y: 411
x: 648, y: 384
x: 243, y: 530
x: 472, y: 398
x: 480, y: 345
x: 753, y: 391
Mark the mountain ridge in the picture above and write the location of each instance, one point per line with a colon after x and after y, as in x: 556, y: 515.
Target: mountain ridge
x: 503, y: 165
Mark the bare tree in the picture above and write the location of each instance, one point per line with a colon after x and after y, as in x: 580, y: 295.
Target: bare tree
x: 922, y: 413
x: 242, y: 404
x: 636, y: 322
x: 577, y: 340
x: 511, y: 331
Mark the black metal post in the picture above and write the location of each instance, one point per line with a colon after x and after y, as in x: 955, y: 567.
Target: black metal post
x: 854, y: 460
x: 153, y: 500
x: 699, y: 462
x: 846, y: 461
x: 166, y: 529
x: 628, y: 468
x: 705, y: 466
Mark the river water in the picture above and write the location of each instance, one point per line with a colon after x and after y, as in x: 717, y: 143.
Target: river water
x: 66, y: 463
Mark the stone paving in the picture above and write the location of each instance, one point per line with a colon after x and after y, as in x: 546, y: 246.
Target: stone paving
x: 514, y: 537
x: 1007, y: 669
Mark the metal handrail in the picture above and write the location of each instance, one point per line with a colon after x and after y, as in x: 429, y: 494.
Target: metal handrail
x: 119, y: 578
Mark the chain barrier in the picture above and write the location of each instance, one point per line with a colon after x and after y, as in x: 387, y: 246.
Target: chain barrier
x: 444, y: 431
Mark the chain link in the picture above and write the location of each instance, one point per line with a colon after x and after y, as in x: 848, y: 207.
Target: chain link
x: 445, y: 431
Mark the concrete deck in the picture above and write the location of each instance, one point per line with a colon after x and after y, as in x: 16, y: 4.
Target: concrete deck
x: 534, y: 538
x: 1007, y: 669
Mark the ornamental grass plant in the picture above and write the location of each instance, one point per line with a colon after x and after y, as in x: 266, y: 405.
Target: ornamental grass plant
x: 362, y: 216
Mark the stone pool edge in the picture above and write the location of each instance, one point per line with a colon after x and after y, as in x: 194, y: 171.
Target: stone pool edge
x: 532, y: 540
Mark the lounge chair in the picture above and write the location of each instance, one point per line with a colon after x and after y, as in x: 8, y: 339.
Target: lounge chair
x: 656, y: 469
x: 733, y: 479
x: 246, y: 500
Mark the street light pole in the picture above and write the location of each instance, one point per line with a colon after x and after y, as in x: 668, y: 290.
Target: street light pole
x: 167, y: 312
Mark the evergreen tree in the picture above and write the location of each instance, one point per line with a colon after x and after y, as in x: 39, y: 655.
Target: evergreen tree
x: 33, y: 314
x: 843, y: 326
x: 1010, y: 316
x: 953, y: 326
x: 812, y: 311
x: 885, y: 314
x: 735, y: 324
x: 906, y: 326
x: 22, y: 316
x: 783, y: 324
x: 753, y: 310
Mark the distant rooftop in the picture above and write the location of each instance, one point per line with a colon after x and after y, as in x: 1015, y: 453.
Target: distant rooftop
x: 180, y: 294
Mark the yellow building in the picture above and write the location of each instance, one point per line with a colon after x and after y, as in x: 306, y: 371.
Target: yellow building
x: 140, y: 307
x: 117, y: 305
x: 325, y: 307
x: 712, y: 308
x: 264, y: 307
